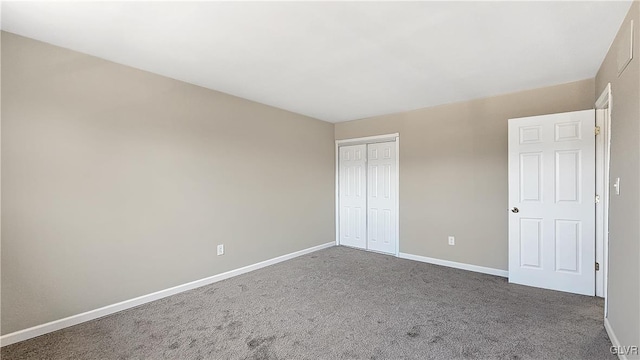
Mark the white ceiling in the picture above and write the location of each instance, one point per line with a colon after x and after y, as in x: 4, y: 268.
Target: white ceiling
x: 338, y: 61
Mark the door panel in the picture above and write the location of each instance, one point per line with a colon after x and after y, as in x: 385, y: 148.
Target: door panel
x: 381, y: 197
x: 531, y: 184
x: 552, y: 183
x: 352, y: 196
x: 568, y: 234
x: 530, y: 243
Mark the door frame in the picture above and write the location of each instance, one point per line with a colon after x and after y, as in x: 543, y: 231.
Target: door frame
x: 603, y: 119
x: 395, y: 137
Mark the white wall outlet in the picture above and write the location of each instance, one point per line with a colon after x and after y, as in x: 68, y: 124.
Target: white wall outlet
x: 452, y: 240
x: 220, y: 249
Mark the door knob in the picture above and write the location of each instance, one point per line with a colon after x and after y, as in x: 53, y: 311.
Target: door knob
x: 515, y: 210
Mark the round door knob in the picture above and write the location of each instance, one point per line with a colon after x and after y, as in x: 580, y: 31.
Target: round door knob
x: 515, y: 210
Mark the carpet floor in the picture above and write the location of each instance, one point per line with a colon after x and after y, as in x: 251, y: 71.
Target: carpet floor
x: 341, y: 303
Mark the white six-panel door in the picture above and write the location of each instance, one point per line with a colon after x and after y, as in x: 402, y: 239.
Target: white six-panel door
x: 353, y: 196
x: 551, y: 195
x: 381, y: 196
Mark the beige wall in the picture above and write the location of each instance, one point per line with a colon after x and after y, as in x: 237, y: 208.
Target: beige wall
x: 624, y: 210
x: 453, y: 170
x: 117, y: 182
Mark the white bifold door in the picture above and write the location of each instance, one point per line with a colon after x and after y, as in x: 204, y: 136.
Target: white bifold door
x: 367, y: 196
x: 353, y: 196
x: 552, y: 201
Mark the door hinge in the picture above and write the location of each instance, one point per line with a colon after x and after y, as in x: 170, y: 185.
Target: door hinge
x: 597, y: 199
x: 597, y: 266
x: 596, y: 130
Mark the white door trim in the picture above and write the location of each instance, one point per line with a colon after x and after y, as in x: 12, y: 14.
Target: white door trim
x: 395, y: 137
x: 397, y: 196
x: 603, y: 119
x: 337, y: 190
x: 368, y: 139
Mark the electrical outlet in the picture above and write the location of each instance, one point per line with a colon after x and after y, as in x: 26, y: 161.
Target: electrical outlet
x: 452, y: 240
x: 220, y: 249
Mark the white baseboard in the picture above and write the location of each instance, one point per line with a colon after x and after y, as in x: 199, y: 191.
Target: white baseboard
x: 38, y: 330
x: 613, y: 338
x: 457, y: 265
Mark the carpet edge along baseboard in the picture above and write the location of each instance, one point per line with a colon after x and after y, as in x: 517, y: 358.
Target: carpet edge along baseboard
x: 59, y: 324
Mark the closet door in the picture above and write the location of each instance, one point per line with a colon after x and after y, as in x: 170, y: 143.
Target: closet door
x: 381, y: 197
x: 353, y: 196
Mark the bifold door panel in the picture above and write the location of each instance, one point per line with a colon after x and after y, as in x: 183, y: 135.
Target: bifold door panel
x: 353, y: 196
x: 381, y: 177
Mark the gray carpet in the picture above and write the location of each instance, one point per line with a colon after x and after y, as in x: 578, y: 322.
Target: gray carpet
x: 341, y: 303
